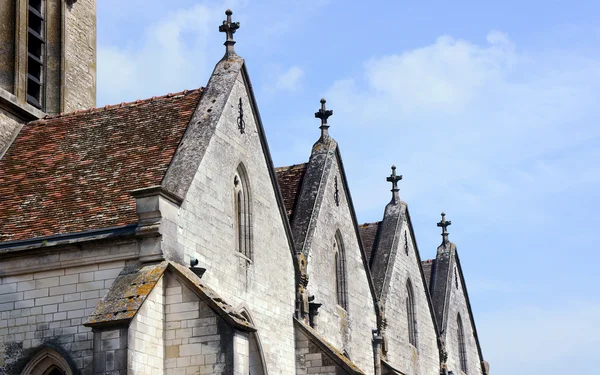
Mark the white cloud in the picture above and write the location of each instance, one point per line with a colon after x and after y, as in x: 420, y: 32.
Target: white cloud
x: 279, y: 79
x: 443, y: 76
x: 467, y: 121
x: 290, y: 79
x: 170, y: 57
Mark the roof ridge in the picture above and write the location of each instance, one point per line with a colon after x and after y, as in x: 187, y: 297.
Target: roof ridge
x: 109, y: 107
x: 291, y: 166
x: 371, y: 223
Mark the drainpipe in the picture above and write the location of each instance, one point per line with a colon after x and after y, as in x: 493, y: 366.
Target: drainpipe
x: 377, y: 341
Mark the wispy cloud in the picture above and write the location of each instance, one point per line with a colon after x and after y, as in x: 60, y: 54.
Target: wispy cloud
x: 171, y: 56
x: 289, y: 80
x: 475, y: 117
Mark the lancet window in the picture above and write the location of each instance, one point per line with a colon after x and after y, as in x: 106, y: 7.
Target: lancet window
x: 462, y: 350
x: 410, y: 314
x: 243, y: 212
x: 340, y: 271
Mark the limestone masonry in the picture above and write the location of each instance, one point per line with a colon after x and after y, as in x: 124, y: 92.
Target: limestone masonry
x: 157, y: 237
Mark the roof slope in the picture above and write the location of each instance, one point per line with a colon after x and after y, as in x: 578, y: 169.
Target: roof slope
x: 72, y: 173
x: 290, y: 181
x: 427, y: 270
x: 368, y: 235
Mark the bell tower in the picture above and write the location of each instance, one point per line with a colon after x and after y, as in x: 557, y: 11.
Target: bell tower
x: 47, y: 60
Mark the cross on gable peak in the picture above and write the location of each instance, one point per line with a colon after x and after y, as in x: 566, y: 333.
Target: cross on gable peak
x: 393, y: 178
x: 444, y: 224
x: 323, y: 113
x: 229, y: 28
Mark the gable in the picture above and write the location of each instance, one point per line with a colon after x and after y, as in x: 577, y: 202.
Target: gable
x: 458, y: 304
x: 397, y: 274
x: 324, y: 218
x: 73, y: 173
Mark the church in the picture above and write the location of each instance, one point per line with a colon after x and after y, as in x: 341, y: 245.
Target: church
x: 157, y: 236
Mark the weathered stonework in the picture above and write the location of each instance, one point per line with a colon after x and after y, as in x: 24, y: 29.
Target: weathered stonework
x: 348, y: 330
x: 457, y: 304
x: 79, y: 56
x: 404, y: 265
x: 9, y: 127
x: 69, y: 74
x: 47, y: 308
x: 264, y: 284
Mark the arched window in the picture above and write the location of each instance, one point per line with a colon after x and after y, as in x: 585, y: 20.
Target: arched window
x: 462, y: 350
x: 340, y: 271
x: 410, y: 314
x: 243, y: 212
x: 47, y: 362
x: 256, y: 365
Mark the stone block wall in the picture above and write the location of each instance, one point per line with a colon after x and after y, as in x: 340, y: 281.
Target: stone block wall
x: 423, y: 359
x: 48, y: 307
x: 311, y: 360
x: 80, y: 56
x: 265, y: 284
x: 196, y: 339
x: 9, y: 127
x: 349, y: 330
x: 110, y: 352
x: 458, y: 305
x: 146, y: 346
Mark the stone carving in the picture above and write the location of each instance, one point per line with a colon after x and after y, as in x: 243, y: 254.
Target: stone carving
x: 240, y: 120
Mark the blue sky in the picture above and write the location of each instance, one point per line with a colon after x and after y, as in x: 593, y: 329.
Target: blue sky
x: 488, y: 110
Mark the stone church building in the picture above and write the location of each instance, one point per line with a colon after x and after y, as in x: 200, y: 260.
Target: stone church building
x: 157, y: 237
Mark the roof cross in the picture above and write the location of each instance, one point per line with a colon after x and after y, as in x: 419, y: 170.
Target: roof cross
x: 393, y: 178
x: 444, y: 224
x: 324, y: 114
x: 228, y: 27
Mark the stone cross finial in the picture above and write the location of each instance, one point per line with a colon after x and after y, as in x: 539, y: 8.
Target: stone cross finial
x: 394, y: 180
x: 444, y: 224
x: 324, y: 114
x: 228, y: 27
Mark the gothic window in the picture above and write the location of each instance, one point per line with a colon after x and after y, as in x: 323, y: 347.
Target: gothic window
x: 47, y: 362
x: 340, y: 271
x: 243, y: 212
x: 462, y: 350
x: 410, y: 314
x: 36, y: 40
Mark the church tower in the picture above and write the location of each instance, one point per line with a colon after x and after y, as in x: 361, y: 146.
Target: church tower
x: 47, y: 60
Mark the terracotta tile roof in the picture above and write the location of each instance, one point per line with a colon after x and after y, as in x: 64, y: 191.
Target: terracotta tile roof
x: 427, y: 269
x: 71, y: 173
x: 290, y: 183
x: 368, y: 235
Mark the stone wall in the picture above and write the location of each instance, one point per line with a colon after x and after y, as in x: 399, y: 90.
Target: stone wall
x: 7, y: 45
x: 146, y: 346
x: 423, y: 359
x: 9, y: 127
x: 110, y: 351
x: 79, y: 91
x: 349, y: 330
x: 265, y: 284
x: 48, y: 307
x: 458, y: 304
x: 196, y: 339
x: 311, y: 360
